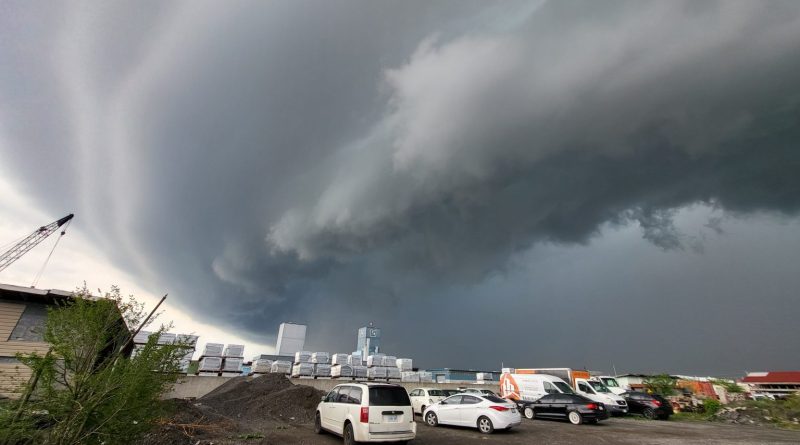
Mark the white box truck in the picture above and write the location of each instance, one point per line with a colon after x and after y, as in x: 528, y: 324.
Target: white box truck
x: 578, y: 381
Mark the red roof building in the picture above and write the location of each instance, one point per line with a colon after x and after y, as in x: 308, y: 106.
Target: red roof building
x: 772, y: 384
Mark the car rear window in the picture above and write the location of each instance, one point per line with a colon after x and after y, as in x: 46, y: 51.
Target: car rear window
x: 495, y: 399
x: 436, y: 393
x: 388, y: 396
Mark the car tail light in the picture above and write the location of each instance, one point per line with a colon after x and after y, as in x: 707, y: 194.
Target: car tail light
x: 592, y: 406
x: 499, y: 408
x: 364, y: 414
x: 655, y: 402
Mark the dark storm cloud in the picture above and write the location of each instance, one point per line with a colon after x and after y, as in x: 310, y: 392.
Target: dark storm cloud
x: 285, y: 160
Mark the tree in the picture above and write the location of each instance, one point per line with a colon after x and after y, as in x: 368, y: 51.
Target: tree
x: 661, y: 384
x: 87, y: 391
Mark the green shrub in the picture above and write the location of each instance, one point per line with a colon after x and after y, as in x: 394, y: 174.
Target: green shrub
x: 711, y: 406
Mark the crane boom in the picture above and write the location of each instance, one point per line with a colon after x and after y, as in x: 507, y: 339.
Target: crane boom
x: 30, y: 241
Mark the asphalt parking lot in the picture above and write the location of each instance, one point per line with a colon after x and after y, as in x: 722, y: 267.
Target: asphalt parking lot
x: 611, y: 431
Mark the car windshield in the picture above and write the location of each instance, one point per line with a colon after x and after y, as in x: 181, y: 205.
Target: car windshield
x: 451, y: 392
x: 599, y: 387
x: 611, y: 383
x: 487, y: 392
x: 566, y: 389
x: 495, y: 399
x: 436, y: 393
x: 388, y: 396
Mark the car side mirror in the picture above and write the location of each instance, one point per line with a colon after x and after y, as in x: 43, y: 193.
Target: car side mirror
x: 443, y: 402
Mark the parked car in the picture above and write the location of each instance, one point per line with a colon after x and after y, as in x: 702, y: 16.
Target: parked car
x: 573, y: 407
x: 529, y: 388
x: 480, y: 392
x: 367, y: 412
x: 652, y: 406
x: 421, y: 398
x: 486, y: 413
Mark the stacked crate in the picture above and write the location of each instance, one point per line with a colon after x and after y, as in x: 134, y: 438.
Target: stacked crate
x: 233, y: 357
x: 281, y: 367
x: 211, y: 359
x: 168, y: 338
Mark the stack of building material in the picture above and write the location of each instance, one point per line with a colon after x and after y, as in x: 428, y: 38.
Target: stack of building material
x: 234, y: 351
x: 213, y: 350
x: 425, y: 377
x: 141, y: 337
x: 303, y: 370
x: 262, y: 366
x: 232, y: 364
x: 342, y: 370
x: 360, y: 371
x: 355, y: 360
x: 409, y: 376
x: 483, y: 376
x: 166, y: 338
x: 302, y: 357
x: 281, y: 367
x: 210, y: 364
x: 389, y: 361
x: 322, y: 370
x: 392, y: 373
x: 404, y: 364
x: 377, y: 372
x: 375, y: 360
x: 321, y: 358
x: 340, y: 359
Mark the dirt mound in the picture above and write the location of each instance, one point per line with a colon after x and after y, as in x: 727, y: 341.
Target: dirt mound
x: 189, y: 424
x: 246, y: 387
x: 291, y: 405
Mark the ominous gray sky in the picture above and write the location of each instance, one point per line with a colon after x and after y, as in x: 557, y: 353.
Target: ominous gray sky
x: 532, y: 183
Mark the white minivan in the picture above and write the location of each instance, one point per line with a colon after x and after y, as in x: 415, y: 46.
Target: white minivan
x: 367, y: 412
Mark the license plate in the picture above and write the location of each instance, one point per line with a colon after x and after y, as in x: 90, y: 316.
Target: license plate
x: 391, y: 418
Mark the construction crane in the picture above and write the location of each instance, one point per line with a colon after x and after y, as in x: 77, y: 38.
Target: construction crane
x: 29, y: 242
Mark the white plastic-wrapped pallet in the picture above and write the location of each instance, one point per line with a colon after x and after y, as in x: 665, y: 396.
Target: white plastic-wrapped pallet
x: 322, y: 370
x: 425, y: 377
x: 339, y: 359
x: 377, y: 372
x: 355, y: 360
x: 166, y: 338
x: 213, y: 350
x: 392, y: 373
x: 483, y: 376
x: 232, y: 364
x: 360, y: 371
x: 142, y: 337
x: 341, y: 371
x: 210, y: 364
x: 404, y: 364
x: 302, y: 357
x: 303, y: 370
x: 262, y: 365
x: 409, y: 376
x: 375, y: 360
x: 281, y: 367
x: 389, y: 361
x: 234, y: 351
x: 322, y: 358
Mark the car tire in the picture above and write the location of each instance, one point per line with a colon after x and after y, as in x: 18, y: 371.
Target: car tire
x: 529, y: 413
x: 431, y: 419
x: 485, y: 425
x: 649, y: 413
x: 317, y: 424
x: 349, y: 438
x: 575, y: 418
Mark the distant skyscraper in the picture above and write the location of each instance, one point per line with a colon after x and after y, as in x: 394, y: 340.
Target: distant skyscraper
x: 369, y: 340
x: 291, y: 338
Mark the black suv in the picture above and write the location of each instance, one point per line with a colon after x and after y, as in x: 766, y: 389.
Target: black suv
x: 573, y: 407
x: 652, y: 406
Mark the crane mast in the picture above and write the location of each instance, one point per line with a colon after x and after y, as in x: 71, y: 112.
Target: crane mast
x: 38, y: 235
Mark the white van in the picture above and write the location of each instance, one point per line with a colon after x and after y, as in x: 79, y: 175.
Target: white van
x: 613, y: 385
x: 584, y: 384
x: 367, y: 412
x: 531, y: 387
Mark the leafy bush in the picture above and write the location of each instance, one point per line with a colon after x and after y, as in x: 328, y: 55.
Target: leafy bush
x: 662, y: 384
x: 711, y: 406
x: 88, y: 392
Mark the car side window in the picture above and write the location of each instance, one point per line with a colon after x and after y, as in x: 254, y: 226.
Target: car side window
x: 563, y: 398
x: 469, y: 400
x: 584, y: 388
x: 355, y: 395
x: 550, y: 389
x: 344, y: 394
x: 332, y: 396
x: 416, y: 393
x: 455, y: 400
x: 547, y: 399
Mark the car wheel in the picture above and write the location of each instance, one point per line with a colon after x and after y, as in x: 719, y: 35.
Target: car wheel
x: 485, y: 425
x: 575, y: 418
x: 317, y: 424
x: 649, y: 413
x: 431, y: 419
x: 529, y: 413
x: 348, y: 435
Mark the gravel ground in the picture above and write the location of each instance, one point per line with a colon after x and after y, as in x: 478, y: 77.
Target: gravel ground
x: 613, y: 431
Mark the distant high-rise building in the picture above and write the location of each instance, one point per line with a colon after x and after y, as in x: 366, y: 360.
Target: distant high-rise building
x: 369, y: 341
x: 291, y: 338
